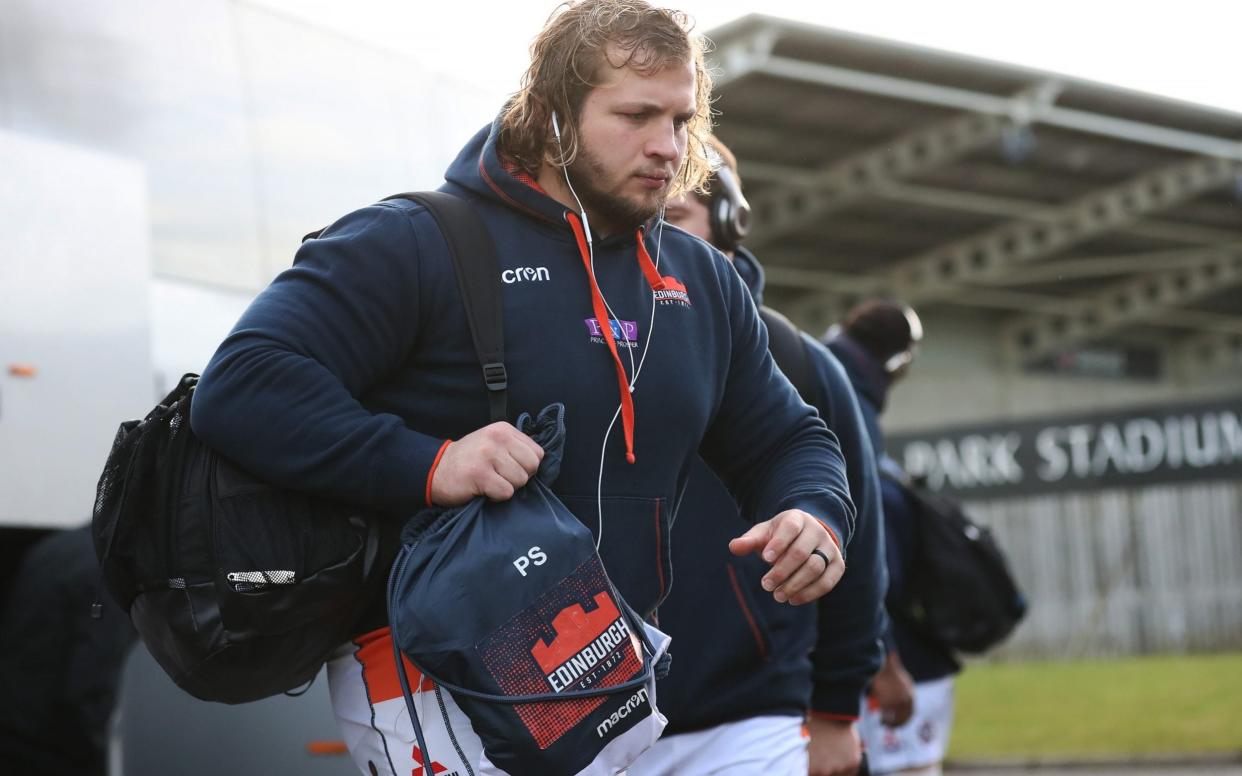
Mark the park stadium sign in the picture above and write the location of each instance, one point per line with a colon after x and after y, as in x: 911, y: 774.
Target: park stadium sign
x: 1137, y: 447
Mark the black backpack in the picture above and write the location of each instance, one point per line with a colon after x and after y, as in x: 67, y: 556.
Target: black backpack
x: 240, y: 589
x: 961, y: 591
x: 789, y: 351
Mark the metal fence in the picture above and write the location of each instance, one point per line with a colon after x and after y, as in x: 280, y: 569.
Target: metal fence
x: 1124, y: 571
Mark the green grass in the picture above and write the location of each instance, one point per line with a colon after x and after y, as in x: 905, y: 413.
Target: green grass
x: 1130, y: 706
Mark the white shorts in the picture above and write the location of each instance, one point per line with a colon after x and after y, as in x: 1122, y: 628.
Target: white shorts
x: 920, y: 742
x: 375, y: 722
x: 774, y: 746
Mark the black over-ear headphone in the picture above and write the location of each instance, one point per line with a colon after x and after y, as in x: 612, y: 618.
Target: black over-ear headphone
x: 728, y: 210
x: 905, y: 357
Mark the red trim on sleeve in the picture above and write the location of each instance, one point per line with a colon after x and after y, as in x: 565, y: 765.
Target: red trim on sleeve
x: 431, y: 473
x: 834, y: 717
x: 835, y: 539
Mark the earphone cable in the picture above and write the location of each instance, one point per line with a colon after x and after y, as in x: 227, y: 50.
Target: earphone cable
x: 599, y: 484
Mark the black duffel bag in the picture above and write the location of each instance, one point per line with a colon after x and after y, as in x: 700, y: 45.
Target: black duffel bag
x: 238, y: 588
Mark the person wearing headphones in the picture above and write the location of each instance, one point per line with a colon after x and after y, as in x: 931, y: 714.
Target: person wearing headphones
x: 909, y: 711
x: 353, y: 374
x: 759, y: 668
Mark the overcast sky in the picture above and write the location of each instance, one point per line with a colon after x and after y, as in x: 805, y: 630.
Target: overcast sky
x: 1187, y: 49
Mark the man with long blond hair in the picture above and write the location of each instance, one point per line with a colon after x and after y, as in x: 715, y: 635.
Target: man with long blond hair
x: 353, y: 374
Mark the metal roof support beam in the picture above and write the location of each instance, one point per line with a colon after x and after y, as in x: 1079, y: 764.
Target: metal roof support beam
x: 1011, y: 207
x: 1210, y: 352
x: 822, y: 280
x: 816, y: 312
x: 1006, y: 300
x: 746, y: 55
x: 942, y: 271
x: 808, y: 198
x: 977, y: 102
x: 1202, y: 273
x: 1085, y: 268
x: 1200, y: 320
x: 988, y: 204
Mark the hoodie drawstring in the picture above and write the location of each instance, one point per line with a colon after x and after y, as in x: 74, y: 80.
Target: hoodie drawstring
x: 605, y: 324
x: 649, y: 268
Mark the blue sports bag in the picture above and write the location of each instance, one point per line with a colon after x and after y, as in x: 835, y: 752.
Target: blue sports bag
x: 508, y: 607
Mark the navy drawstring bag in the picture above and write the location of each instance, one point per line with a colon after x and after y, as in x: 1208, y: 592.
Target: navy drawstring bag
x: 508, y: 607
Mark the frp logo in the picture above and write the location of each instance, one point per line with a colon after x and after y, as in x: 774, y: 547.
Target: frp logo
x: 624, y: 333
x: 584, y: 643
x: 420, y: 769
x: 673, y: 293
x: 525, y: 275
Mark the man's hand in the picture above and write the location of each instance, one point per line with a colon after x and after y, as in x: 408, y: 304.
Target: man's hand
x: 893, y: 690
x: 494, y: 461
x: 835, y: 748
x: 787, y: 541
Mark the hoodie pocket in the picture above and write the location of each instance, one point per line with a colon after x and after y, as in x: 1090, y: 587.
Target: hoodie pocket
x: 634, y: 545
x: 743, y: 593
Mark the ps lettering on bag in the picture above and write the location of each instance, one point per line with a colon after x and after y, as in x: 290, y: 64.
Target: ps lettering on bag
x: 534, y: 556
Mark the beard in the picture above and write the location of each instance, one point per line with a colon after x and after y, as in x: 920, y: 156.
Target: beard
x: 608, y: 207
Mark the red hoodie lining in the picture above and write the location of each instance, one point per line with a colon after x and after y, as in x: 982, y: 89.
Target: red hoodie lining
x: 509, y: 200
x: 520, y: 175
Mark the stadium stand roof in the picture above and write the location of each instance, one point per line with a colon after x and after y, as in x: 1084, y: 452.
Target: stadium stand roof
x: 1065, y: 212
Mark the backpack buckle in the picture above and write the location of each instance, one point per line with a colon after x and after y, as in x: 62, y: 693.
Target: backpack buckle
x: 495, y: 376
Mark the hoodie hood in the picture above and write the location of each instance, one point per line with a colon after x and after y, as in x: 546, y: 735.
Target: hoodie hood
x: 480, y: 170
x: 867, y: 375
x: 751, y: 271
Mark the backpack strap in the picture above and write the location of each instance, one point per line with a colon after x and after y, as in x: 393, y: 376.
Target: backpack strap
x: 478, y: 278
x: 789, y: 350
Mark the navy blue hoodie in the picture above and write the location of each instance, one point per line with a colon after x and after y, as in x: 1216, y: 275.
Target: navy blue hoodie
x: 347, y: 375
x: 923, y: 658
x: 751, y: 655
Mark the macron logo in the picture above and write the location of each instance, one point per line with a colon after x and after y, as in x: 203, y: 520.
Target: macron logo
x: 525, y: 274
x: 636, y: 700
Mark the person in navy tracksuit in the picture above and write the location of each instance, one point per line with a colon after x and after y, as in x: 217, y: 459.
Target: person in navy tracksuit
x: 353, y: 374
x: 906, y: 726
x: 759, y: 666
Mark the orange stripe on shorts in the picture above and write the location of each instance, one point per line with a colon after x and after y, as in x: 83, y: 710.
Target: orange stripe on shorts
x: 379, y: 670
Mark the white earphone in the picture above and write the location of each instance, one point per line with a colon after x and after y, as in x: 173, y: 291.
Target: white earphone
x: 635, y: 369
x: 586, y: 225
